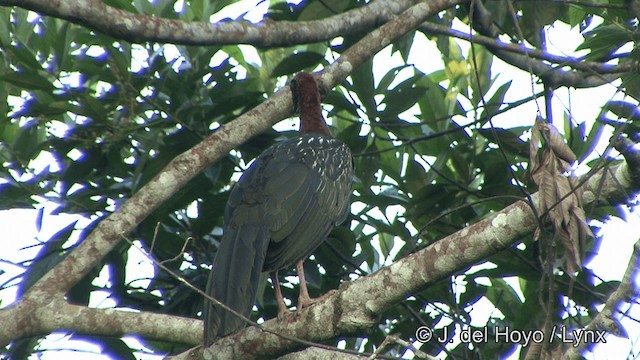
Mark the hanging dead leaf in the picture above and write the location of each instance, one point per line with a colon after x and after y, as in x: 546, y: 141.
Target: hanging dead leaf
x: 559, y: 197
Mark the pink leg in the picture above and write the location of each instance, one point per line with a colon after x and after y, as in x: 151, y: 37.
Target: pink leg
x: 304, y: 300
x: 282, y: 307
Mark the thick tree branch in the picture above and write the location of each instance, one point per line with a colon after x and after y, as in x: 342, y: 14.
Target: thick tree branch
x: 57, y: 314
x: 185, y: 166
x: 135, y: 28
x: 319, y: 354
x: 348, y: 312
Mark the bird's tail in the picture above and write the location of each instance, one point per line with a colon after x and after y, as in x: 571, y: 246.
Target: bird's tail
x: 234, y: 280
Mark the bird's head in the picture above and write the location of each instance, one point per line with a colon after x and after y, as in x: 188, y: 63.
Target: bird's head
x: 306, y: 102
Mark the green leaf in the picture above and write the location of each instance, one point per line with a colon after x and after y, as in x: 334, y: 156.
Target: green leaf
x: 296, y: 62
x: 27, y: 80
x: 49, y: 255
x: 8, y: 131
x: 576, y: 15
x: 401, y: 98
x: 363, y: 87
x: 495, y: 102
x: 28, y: 142
x: 403, y: 45
x: 604, y: 40
x: 314, y: 10
x: 504, y: 298
x: 25, y: 57
x: 506, y: 138
x: 123, y: 5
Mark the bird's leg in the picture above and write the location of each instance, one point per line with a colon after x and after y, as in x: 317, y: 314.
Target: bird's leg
x: 282, y: 307
x: 304, y: 299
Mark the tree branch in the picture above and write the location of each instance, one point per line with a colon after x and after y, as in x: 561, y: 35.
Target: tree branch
x: 120, y: 24
x: 495, y: 44
x: 184, y: 167
x: 348, y: 312
x: 551, y: 75
x: 57, y: 314
x: 319, y: 354
x: 626, y: 290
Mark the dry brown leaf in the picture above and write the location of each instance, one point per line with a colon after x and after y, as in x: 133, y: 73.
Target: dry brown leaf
x: 557, y: 197
x: 555, y: 141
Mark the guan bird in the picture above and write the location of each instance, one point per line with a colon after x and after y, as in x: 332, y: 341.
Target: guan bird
x: 282, y: 208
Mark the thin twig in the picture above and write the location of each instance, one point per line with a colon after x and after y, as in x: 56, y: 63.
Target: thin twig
x: 627, y: 289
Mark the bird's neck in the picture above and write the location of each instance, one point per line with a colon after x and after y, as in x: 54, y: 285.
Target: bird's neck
x: 313, y: 124
x: 311, y: 119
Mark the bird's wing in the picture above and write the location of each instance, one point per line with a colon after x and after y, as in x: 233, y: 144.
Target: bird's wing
x: 306, y: 197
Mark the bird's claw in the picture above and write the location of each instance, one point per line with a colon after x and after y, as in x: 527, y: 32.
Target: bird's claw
x: 306, y: 301
x: 282, y: 312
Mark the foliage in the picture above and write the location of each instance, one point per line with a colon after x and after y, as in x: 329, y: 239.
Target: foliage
x: 107, y: 116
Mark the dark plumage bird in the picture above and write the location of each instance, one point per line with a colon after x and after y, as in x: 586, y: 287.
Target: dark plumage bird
x: 280, y: 210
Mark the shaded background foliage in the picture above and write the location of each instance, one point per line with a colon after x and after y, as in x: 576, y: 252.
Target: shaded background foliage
x: 108, y: 115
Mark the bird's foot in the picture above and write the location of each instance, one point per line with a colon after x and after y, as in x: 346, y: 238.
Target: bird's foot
x: 283, y: 311
x: 304, y: 301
